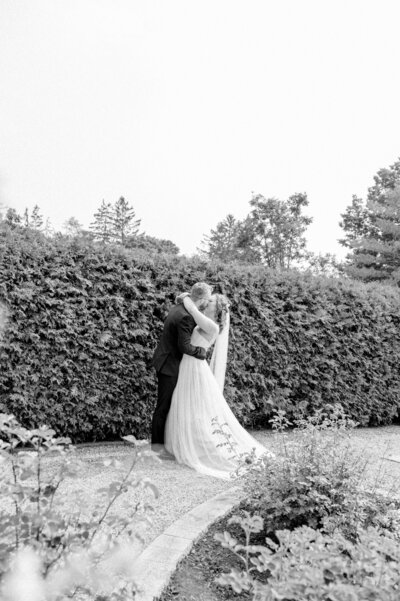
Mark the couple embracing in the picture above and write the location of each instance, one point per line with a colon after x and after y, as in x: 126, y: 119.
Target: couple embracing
x: 191, y: 408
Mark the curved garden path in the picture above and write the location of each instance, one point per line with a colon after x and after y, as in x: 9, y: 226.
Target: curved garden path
x: 181, y: 489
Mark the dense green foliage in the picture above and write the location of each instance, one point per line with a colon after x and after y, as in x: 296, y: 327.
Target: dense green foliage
x: 85, y: 318
x: 151, y: 245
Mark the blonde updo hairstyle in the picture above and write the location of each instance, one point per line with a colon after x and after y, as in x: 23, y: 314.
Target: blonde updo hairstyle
x: 221, y: 310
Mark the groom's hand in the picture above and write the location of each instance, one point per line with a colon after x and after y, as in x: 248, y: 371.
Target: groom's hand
x: 202, y: 352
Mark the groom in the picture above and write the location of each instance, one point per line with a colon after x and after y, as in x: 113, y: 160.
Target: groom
x: 174, y: 343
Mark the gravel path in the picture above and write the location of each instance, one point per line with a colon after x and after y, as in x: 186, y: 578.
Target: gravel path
x: 181, y: 488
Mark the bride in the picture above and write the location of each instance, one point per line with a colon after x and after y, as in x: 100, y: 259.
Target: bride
x: 201, y: 431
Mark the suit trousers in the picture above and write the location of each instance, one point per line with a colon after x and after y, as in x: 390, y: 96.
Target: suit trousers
x: 166, y: 387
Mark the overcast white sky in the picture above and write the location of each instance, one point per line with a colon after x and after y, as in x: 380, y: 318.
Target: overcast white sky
x: 185, y: 107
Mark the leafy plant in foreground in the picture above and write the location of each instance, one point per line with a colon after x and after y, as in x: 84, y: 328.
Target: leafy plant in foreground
x: 331, y: 536
x: 68, y: 552
x: 313, y: 566
x: 315, y: 476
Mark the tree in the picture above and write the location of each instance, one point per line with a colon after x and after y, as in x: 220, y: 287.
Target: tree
x: 102, y: 226
x: 277, y: 228
x: 151, y: 245
x: 13, y: 219
x: 124, y: 223
x: 321, y: 264
x: 231, y: 242
x: 115, y: 223
x: 386, y: 179
x: 48, y: 229
x: 26, y: 218
x: 376, y: 257
x: 372, y: 229
x: 248, y: 250
x: 356, y: 222
x: 272, y: 234
x: 222, y: 242
x: 36, y: 221
x: 72, y: 227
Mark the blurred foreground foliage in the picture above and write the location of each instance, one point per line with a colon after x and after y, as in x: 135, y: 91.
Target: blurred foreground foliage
x: 55, y: 542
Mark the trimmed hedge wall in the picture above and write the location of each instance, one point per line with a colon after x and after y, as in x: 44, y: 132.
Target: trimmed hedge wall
x: 84, y: 321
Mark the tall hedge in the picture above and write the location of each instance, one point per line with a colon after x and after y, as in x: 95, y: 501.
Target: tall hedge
x: 84, y: 321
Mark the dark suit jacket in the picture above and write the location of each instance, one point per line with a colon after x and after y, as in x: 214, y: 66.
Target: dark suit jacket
x: 175, y: 341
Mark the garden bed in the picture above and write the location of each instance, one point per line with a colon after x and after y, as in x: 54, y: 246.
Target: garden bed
x: 194, y: 577
x: 373, y: 538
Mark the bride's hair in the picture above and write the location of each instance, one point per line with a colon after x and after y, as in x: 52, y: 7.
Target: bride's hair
x: 221, y: 310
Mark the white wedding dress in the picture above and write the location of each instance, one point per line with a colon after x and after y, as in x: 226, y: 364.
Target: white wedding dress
x: 190, y: 430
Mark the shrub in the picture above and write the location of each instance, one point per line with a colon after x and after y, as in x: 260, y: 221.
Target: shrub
x: 330, y: 537
x: 84, y: 321
x: 65, y: 551
x: 315, y: 479
x: 312, y: 566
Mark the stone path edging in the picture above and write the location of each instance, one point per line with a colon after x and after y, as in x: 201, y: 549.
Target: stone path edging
x: 154, y: 566
x: 395, y: 458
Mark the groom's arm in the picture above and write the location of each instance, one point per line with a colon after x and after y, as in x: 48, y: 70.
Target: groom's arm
x: 185, y: 329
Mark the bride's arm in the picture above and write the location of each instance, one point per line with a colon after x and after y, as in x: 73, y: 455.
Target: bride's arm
x: 205, y: 323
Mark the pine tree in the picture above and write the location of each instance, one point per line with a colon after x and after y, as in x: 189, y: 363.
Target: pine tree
x: 48, y: 229
x: 124, y: 223
x: 26, y: 220
x: 372, y: 229
x: 386, y: 179
x: 376, y: 257
x: 36, y: 221
x: 103, y: 224
x: 222, y: 242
